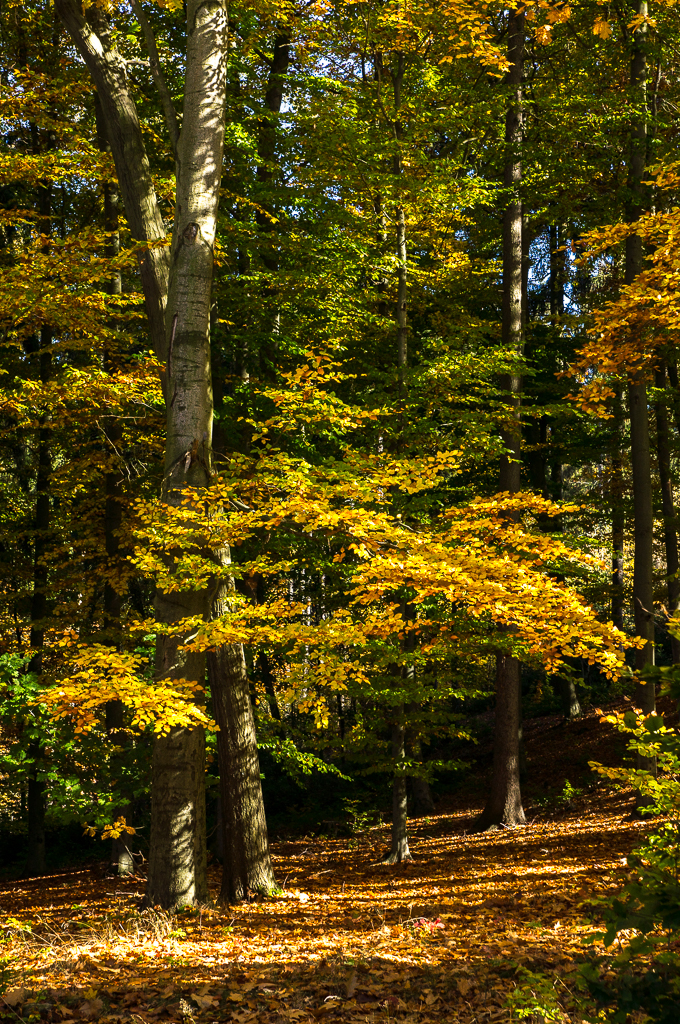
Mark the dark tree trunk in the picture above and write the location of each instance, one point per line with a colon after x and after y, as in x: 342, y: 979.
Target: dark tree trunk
x: 571, y: 707
x: 423, y: 804
x: 247, y: 866
x: 670, y: 526
x: 637, y: 389
x: 504, y: 805
x: 618, y: 515
x: 399, y: 850
x: 37, y: 787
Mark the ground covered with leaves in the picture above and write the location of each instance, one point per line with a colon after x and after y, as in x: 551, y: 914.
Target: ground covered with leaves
x: 477, y: 927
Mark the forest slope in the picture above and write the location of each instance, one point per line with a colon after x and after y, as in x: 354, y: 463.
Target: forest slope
x: 450, y: 936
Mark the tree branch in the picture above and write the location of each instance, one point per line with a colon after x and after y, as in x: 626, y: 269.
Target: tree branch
x: 169, y: 111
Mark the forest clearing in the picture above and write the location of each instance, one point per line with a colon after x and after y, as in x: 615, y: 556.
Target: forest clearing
x: 448, y: 936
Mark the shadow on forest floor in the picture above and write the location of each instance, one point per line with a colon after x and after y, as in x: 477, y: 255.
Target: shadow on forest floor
x: 443, y: 938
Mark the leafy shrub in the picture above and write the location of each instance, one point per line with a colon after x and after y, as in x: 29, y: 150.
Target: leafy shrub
x: 639, y: 974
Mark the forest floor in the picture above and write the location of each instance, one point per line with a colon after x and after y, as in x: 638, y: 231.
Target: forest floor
x: 449, y: 937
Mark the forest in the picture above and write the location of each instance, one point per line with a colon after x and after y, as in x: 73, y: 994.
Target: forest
x: 339, y: 565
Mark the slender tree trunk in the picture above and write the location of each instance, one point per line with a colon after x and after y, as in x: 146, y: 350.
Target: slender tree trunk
x: 643, y: 596
x: 618, y: 514
x: 247, y: 864
x: 504, y: 805
x: 37, y: 786
x: 399, y: 848
x: 122, y: 862
x: 266, y: 174
x: 672, y: 368
x: 667, y: 504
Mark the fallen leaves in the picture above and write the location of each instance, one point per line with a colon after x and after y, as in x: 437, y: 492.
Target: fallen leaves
x: 443, y: 938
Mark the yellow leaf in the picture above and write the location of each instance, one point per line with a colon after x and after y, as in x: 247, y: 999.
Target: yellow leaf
x: 602, y: 28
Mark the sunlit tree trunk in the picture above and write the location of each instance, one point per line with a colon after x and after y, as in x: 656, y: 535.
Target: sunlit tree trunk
x: 177, y: 288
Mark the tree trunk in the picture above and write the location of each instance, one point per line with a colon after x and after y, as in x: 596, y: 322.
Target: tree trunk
x: 399, y: 851
x: 668, y: 505
x: 122, y: 862
x: 247, y: 866
x: 180, y: 330
x: 423, y: 804
x: 504, y: 805
x: 36, y: 789
x: 571, y: 707
x: 618, y: 514
x: 637, y: 389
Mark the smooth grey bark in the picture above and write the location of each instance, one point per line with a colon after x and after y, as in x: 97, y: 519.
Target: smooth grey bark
x: 247, y: 866
x: 504, y: 804
x: 177, y: 853
x: 177, y: 288
x: 670, y: 523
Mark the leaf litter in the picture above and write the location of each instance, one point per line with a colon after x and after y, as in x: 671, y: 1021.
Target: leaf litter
x: 447, y: 937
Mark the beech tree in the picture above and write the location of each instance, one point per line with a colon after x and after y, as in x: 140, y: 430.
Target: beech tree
x: 177, y: 283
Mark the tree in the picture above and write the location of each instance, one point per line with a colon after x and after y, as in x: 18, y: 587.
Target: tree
x: 177, y: 288
x: 504, y: 804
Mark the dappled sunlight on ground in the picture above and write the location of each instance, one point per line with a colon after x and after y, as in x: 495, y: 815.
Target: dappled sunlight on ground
x: 444, y: 938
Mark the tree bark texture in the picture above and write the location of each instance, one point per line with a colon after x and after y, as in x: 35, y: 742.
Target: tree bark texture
x: 399, y: 850
x: 247, y: 866
x: 177, y: 288
x: 670, y: 525
x: 504, y: 804
x: 177, y: 858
